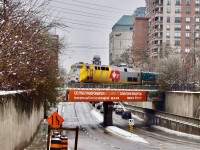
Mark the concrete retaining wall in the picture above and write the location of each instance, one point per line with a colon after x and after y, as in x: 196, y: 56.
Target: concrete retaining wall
x: 20, y: 117
x: 157, y: 105
x: 182, y: 103
x: 170, y: 121
x: 179, y: 103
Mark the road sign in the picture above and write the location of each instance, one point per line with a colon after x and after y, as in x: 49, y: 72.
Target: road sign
x: 111, y: 95
x: 131, y: 122
x: 55, y: 120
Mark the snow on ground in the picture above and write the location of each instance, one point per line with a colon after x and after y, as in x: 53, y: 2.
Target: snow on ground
x: 135, y: 137
x: 177, y: 133
x: 10, y: 92
x: 117, y: 130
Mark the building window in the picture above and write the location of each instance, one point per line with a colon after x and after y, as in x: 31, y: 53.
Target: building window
x: 168, y: 2
x: 187, y: 50
x: 187, y: 43
x: 187, y: 19
x: 177, y: 19
x: 197, y: 2
x: 177, y: 43
x: 178, y: 50
x: 197, y: 28
x: 178, y: 2
x: 187, y: 35
x: 177, y: 35
x: 197, y: 19
x: 168, y: 35
x: 177, y: 27
x: 168, y: 27
x: 196, y: 35
x: 168, y: 19
x: 168, y: 42
x: 187, y: 27
x: 168, y: 10
x: 187, y: 2
x: 197, y: 10
x: 187, y: 10
x: 177, y: 10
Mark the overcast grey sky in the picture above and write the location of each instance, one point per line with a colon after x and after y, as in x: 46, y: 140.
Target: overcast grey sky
x: 90, y: 23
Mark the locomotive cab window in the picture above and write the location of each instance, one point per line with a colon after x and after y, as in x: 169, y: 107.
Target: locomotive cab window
x: 107, y: 69
x: 125, y: 69
x: 99, y: 68
x: 95, y: 67
x: 79, y: 67
x: 103, y: 68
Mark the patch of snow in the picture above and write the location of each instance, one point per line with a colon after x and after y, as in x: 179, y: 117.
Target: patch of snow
x: 2, y: 21
x: 177, y: 133
x: 97, y: 115
x: 126, y: 134
x: 13, y: 92
x: 118, y: 131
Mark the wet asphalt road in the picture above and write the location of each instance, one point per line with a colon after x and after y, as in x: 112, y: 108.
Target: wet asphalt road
x: 92, y: 136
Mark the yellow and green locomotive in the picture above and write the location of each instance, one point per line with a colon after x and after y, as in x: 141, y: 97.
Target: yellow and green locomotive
x: 90, y: 73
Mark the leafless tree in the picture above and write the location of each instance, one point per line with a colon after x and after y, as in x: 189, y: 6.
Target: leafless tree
x: 28, y: 49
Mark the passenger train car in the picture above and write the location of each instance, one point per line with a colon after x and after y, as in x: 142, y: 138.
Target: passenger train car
x: 90, y: 73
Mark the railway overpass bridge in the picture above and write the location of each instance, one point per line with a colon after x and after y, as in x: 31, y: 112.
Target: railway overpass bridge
x: 108, y: 94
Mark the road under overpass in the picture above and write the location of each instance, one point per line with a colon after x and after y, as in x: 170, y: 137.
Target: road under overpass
x: 108, y: 96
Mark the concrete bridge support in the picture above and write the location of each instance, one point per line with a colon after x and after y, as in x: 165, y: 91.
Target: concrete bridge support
x: 108, y: 109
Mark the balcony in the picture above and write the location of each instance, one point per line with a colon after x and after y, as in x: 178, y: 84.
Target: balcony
x: 158, y: 22
x: 158, y: 30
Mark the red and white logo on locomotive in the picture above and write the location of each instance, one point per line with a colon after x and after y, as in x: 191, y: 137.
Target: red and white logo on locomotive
x: 115, y: 75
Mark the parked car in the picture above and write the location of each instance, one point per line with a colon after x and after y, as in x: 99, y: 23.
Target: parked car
x: 102, y: 109
x: 126, y: 115
x: 93, y: 103
x: 98, y: 105
x: 115, y: 104
x: 119, y: 110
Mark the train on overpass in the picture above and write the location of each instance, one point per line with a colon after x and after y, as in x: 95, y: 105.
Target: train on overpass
x: 91, y: 73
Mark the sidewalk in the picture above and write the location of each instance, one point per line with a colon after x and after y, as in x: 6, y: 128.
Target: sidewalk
x: 40, y: 139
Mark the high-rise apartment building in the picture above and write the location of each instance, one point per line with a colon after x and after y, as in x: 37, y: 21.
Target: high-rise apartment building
x: 140, y: 38
x: 173, y: 23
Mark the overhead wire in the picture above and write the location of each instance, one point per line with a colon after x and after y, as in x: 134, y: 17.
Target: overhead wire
x: 86, y: 22
x: 101, y: 5
x: 82, y: 12
x: 92, y: 8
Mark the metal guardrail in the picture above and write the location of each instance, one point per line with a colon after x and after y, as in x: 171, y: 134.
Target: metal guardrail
x: 183, y: 87
x: 112, y: 86
x: 171, y: 121
x: 166, y: 115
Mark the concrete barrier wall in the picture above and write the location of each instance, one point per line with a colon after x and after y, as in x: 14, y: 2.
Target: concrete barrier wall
x: 143, y: 104
x: 20, y: 118
x: 179, y: 103
x: 182, y: 103
x: 170, y: 121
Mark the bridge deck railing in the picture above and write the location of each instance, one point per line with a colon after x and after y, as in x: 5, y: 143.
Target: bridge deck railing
x: 164, y: 119
x: 112, y: 86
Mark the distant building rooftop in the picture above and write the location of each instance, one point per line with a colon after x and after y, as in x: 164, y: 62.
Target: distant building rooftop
x: 125, y: 23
